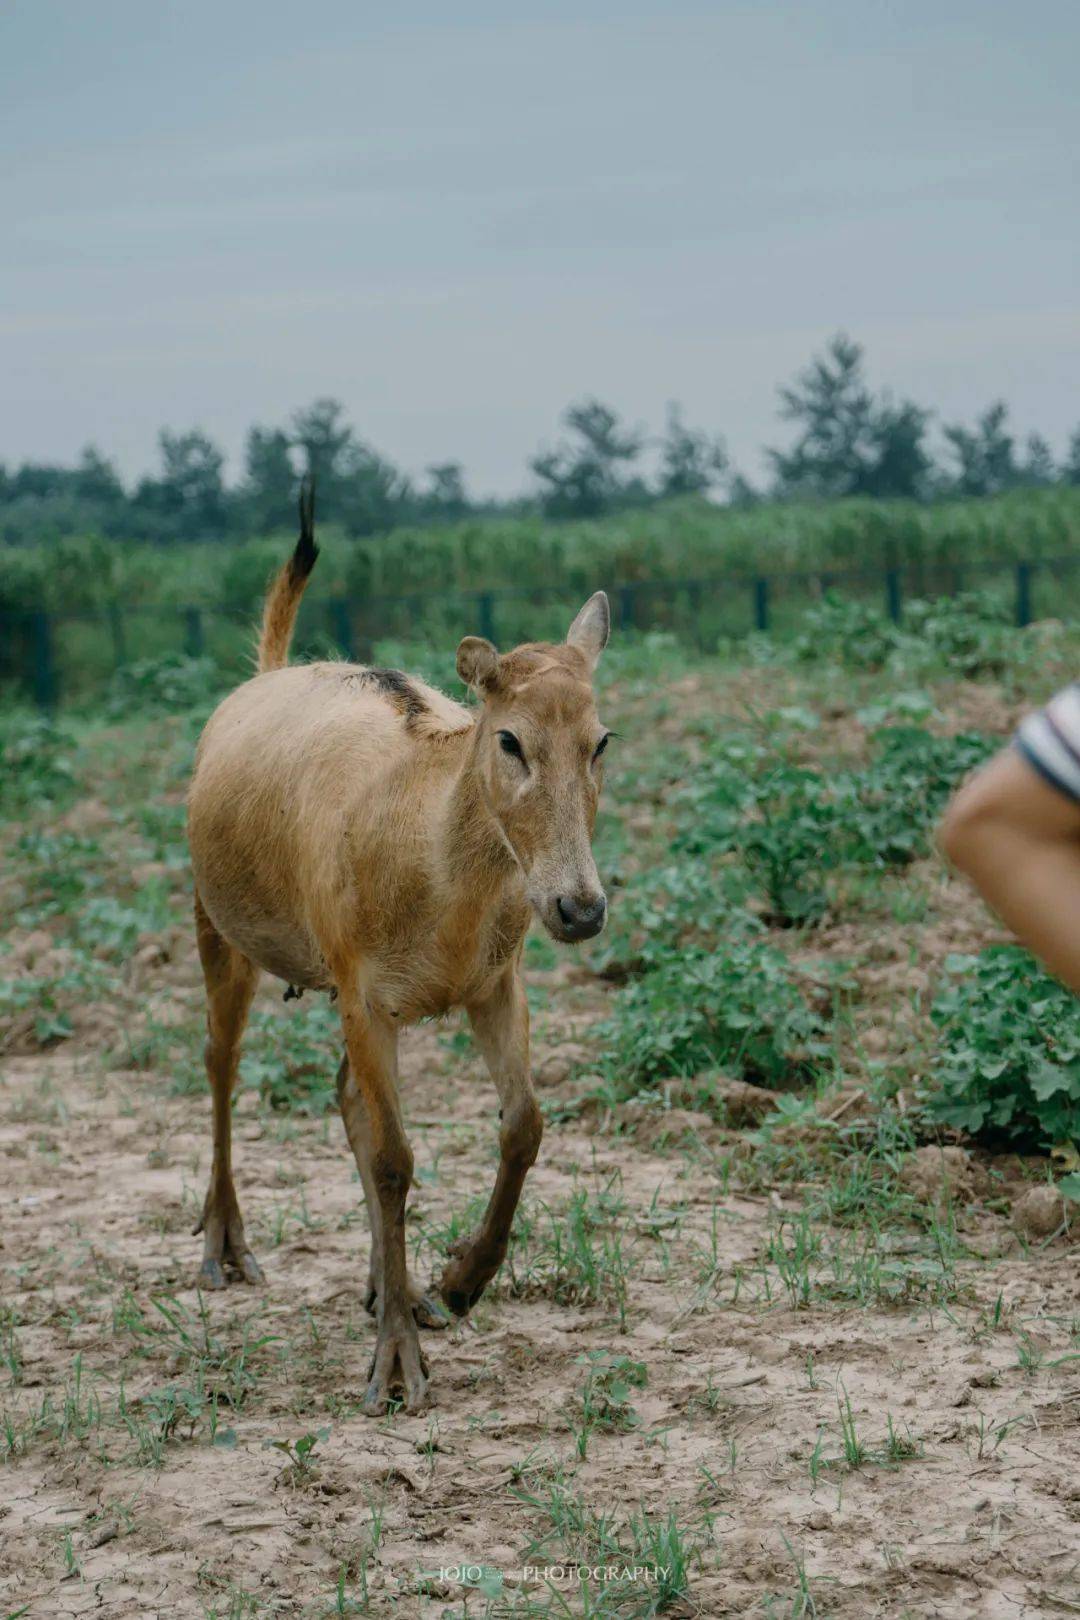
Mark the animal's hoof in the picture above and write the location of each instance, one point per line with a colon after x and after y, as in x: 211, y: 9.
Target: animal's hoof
x: 398, y: 1372
x: 461, y: 1302
x: 212, y: 1275
x: 429, y: 1313
x: 468, y: 1273
x: 427, y: 1310
x: 250, y: 1269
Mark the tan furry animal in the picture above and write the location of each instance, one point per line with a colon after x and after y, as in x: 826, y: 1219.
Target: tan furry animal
x: 355, y: 830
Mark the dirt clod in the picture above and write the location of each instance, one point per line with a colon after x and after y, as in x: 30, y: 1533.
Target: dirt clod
x: 743, y: 1104
x: 1039, y: 1211
x: 941, y: 1175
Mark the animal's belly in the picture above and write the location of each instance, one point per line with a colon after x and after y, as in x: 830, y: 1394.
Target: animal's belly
x: 278, y: 944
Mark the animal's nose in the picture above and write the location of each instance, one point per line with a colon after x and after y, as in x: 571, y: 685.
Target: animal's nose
x: 582, y: 917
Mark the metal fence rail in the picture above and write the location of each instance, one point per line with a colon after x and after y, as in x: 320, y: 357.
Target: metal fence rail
x: 32, y: 643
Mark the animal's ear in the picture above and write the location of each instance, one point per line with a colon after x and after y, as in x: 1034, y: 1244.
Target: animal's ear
x: 590, y: 629
x: 477, y: 663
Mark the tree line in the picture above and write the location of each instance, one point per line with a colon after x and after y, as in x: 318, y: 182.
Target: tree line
x: 846, y: 441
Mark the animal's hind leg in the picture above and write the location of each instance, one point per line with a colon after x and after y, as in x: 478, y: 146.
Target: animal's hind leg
x: 426, y: 1308
x: 230, y: 984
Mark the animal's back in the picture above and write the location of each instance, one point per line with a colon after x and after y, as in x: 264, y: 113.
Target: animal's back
x: 293, y: 768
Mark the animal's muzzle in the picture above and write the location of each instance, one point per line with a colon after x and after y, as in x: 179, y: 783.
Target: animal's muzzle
x: 581, y: 918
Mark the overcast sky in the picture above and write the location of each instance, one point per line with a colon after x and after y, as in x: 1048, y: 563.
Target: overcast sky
x: 459, y: 218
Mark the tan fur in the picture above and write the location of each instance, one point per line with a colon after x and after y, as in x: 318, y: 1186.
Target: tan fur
x: 357, y: 831
x: 283, y: 597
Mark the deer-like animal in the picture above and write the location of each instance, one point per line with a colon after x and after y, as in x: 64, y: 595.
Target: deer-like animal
x: 355, y: 830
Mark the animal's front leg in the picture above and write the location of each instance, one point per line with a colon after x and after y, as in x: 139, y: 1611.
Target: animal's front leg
x: 425, y: 1307
x: 501, y: 1027
x: 369, y: 1107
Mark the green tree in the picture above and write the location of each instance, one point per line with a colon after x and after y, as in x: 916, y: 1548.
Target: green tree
x: 833, y: 411
x: 896, y: 459
x: 1070, y: 468
x: 356, y: 486
x: 269, y: 479
x: 39, y: 480
x: 97, y: 480
x: 690, y: 461
x: 369, y: 494
x: 986, y: 456
x: 848, y: 442
x: 741, y: 492
x: 324, y: 438
x: 1038, y: 470
x: 445, y: 496
x: 584, y: 477
x: 190, y: 494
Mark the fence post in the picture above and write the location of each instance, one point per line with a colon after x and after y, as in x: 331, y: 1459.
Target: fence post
x: 761, y: 604
x: 1023, y: 594
x: 45, y: 689
x: 695, y: 603
x: 193, y: 632
x: 485, y: 614
x: 116, y: 628
x: 627, y: 606
x: 341, y: 626
x: 892, y: 594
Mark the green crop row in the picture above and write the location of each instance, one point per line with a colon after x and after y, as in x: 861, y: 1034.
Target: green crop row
x: 684, y: 539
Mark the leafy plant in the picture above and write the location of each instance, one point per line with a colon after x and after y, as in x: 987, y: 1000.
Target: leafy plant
x: 35, y: 761
x: 605, y: 1399
x: 170, y: 684
x: 848, y: 632
x: 292, y: 1059
x: 742, y: 1008
x: 903, y: 791
x: 300, y: 1452
x: 682, y: 904
x: 711, y: 803
x: 792, y: 842
x: 973, y: 633
x: 1008, y: 1056
x: 809, y: 822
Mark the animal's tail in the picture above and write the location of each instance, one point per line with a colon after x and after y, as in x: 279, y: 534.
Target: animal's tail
x: 283, y: 597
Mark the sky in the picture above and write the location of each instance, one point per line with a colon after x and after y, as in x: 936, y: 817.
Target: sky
x: 457, y: 220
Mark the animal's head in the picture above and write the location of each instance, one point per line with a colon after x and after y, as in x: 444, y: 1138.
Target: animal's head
x: 539, y: 755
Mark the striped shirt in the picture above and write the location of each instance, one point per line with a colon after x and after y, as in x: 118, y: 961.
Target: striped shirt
x: 1050, y: 740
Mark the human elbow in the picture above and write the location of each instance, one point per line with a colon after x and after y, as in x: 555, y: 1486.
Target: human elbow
x: 970, y: 817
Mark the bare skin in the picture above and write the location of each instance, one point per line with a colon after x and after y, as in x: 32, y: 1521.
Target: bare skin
x: 1018, y: 839
x: 355, y: 830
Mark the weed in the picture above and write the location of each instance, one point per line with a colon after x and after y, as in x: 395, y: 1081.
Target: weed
x: 300, y: 1452
x: 605, y: 1398
x: 854, y: 1451
x: 1008, y: 1055
x: 745, y: 1010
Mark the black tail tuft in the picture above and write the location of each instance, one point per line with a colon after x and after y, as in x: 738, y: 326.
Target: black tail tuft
x: 303, y: 558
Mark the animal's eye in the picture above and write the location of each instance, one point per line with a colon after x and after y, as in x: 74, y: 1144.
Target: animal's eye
x: 602, y: 744
x: 510, y: 745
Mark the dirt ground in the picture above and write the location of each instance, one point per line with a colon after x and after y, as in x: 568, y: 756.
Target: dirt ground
x: 102, y: 1174
x: 690, y: 1391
